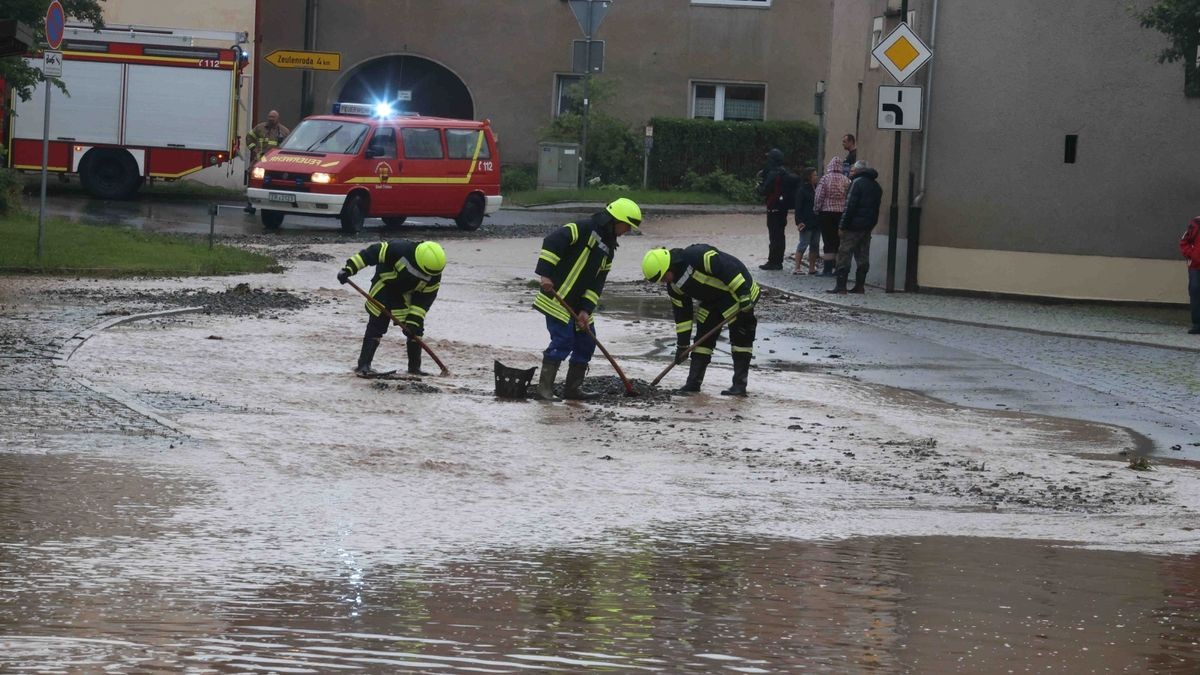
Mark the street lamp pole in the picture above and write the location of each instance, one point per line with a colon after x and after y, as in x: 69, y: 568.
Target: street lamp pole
x: 889, y: 285
x: 587, y: 78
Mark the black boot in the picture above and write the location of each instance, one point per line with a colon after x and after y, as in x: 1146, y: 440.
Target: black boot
x: 573, y: 388
x: 545, y: 388
x: 414, y: 358
x: 827, y: 268
x: 696, y: 374
x: 840, y: 286
x: 741, y: 372
x: 365, y: 357
x: 860, y: 281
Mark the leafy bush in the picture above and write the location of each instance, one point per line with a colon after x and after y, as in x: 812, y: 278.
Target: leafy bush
x: 704, y: 147
x: 720, y: 183
x: 11, y: 184
x: 517, y: 178
x: 614, y: 151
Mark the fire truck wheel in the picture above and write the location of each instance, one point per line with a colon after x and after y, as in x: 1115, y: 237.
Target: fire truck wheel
x: 471, y: 216
x: 271, y: 220
x: 110, y: 174
x: 394, y: 221
x: 354, y: 212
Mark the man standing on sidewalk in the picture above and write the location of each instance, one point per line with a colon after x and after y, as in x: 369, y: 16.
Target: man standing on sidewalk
x: 778, y: 188
x: 1189, y: 246
x: 859, y: 218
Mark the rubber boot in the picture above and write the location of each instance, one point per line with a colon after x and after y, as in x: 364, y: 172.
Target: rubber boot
x: 827, y: 268
x: 369, y: 345
x: 414, y: 358
x: 545, y: 388
x: 695, y: 374
x: 741, y: 373
x: 860, y: 281
x: 840, y: 286
x: 573, y: 388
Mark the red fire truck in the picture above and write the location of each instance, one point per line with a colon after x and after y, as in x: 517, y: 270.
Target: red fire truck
x: 143, y: 103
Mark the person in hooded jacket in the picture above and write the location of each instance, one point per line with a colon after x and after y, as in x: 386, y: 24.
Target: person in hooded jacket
x: 859, y: 218
x: 829, y: 202
x: 1189, y: 246
x: 778, y: 188
x: 574, y: 264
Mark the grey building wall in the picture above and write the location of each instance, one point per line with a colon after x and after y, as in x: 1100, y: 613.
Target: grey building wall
x: 507, y: 53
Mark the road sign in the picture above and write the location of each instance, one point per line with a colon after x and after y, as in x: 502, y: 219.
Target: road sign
x: 289, y: 58
x: 55, y: 24
x: 900, y: 108
x: 902, y: 53
x: 590, y: 24
x: 579, y: 56
x: 52, y: 63
x: 404, y: 95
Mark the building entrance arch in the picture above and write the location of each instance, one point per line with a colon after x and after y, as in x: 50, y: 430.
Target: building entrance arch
x: 435, y: 90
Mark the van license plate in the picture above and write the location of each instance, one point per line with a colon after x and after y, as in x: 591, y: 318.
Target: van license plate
x: 281, y: 197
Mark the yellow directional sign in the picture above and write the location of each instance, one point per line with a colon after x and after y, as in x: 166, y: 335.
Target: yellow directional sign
x: 902, y: 53
x: 288, y: 58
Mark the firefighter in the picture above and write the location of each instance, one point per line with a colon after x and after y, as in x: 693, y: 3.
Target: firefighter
x: 263, y: 137
x: 725, y: 290
x: 407, y: 277
x: 574, y: 263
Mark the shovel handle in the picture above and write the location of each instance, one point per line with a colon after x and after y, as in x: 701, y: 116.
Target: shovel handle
x: 620, y: 373
x: 695, y: 344
x: 382, y: 307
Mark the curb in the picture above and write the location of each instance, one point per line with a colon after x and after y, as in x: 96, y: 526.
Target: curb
x: 978, y: 324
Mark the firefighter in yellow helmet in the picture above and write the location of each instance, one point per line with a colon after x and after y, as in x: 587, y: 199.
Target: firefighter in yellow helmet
x: 407, y: 277
x: 725, y: 290
x: 574, y: 262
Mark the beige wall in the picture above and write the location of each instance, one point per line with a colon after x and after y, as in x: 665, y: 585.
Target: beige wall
x: 507, y: 53
x: 218, y: 15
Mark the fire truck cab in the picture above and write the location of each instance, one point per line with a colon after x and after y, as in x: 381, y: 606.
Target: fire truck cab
x: 366, y: 161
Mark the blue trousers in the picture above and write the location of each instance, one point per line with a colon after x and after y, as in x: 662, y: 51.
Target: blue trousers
x: 567, y: 340
x: 1194, y: 296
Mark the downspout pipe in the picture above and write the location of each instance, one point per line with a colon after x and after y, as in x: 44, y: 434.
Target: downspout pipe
x: 933, y: 22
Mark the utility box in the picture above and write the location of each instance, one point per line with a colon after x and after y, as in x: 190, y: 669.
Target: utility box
x: 558, y: 166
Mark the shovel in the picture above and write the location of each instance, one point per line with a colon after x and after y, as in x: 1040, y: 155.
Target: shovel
x: 385, y: 310
x: 629, y: 390
x: 689, y: 351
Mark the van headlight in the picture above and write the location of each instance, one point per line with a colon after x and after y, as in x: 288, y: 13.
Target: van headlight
x: 258, y: 173
x: 322, y: 178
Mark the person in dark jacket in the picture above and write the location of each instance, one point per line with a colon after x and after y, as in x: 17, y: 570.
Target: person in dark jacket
x: 777, y: 188
x: 806, y: 222
x: 725, y: 290
x: 407, y: 277
x: 859, y: 218
x: 1189, y: 246
x: 574, y: 264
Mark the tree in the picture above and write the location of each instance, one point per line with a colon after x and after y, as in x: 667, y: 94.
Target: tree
x: 19, y: 75
x: 1179, y: 20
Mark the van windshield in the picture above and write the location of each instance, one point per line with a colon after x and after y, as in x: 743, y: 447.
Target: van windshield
x: 329, y: 136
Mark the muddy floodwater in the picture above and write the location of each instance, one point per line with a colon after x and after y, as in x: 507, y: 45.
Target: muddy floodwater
x: 213, y: 491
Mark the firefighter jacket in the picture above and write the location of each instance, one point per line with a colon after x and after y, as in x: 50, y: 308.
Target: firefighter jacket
x: 264, y: 137
x: 719, y: 281
x: 577, y: 258
x: 398, y: 282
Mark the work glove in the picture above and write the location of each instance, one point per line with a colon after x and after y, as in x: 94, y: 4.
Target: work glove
x: 681, y: 353
x: 343, y: 275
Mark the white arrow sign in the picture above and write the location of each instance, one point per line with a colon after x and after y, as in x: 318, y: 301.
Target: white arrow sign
x: 900, y: 108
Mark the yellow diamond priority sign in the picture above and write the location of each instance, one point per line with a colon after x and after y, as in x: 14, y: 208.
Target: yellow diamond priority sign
x: 902, y: 53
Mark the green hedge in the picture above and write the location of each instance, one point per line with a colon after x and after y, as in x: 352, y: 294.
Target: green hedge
x: 701, y: 147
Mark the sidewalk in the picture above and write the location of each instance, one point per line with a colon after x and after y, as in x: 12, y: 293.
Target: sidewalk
x: 1150, y: 326
x: 653, y: 209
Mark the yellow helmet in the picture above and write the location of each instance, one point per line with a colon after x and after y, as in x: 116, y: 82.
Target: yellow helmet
x: 430, y: 257
x: 626, y: 211
x: 655, y: 263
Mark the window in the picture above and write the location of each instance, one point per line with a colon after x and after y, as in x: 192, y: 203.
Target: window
x: 462, y: 142
x: 876, y: 38
x: 383, y: 143
x: 757, y: 4
x: 568, y: 94
x: 734, y: 102
x: 326, y: 136
x: 422, y: 143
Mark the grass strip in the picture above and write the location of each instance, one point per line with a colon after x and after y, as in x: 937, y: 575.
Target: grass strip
x: 105, y: 250
x: 642, y: 197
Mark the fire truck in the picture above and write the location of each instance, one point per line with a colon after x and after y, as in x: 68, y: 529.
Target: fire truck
x: 142, y: 103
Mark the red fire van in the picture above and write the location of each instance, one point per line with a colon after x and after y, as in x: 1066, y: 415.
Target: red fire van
x: 363, y: 161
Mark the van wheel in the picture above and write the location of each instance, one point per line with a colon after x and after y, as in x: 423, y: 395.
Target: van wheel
x: 110, y: 174
x: 471, y: 216
x: 271, y: 220
x: 354, y: 212
x: 394, y: 221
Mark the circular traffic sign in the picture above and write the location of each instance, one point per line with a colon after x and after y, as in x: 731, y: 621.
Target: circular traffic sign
x: 55, y: 24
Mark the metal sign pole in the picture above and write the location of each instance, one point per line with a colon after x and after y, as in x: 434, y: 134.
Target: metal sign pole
x: 587, y: 78
x: 45, y: 163
x: 894, y: 209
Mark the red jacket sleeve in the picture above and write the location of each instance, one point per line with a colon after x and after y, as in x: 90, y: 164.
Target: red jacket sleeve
x: 1189, y: 245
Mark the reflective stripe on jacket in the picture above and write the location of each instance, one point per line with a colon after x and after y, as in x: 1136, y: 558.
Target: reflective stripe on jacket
x: 577, y: 257
x: 398, y: 281
x: 719, y: 281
